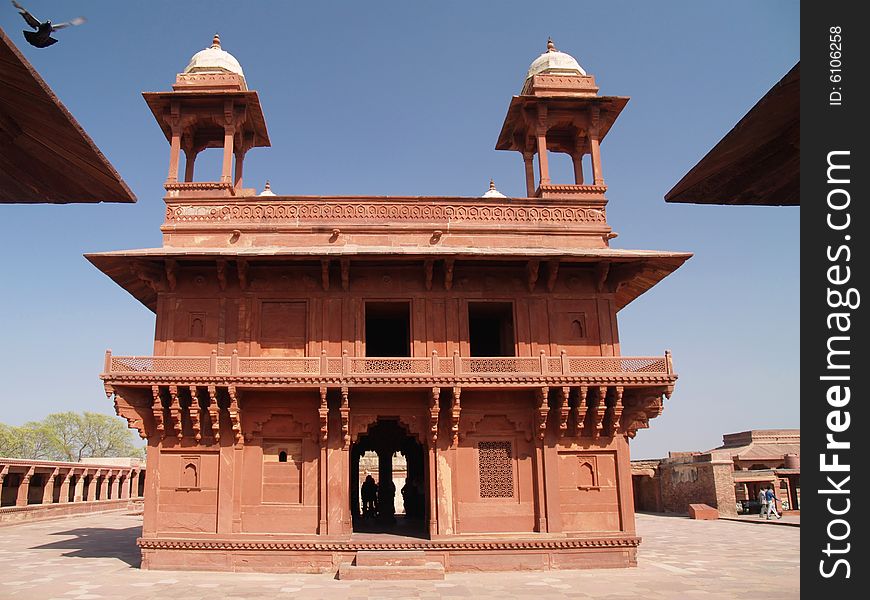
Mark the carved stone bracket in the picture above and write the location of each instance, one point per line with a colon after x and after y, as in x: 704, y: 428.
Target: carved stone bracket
x: 617, y: 409
x: 552, y: 274
x: 175, y: 412
x: 582, y: 407
x: 344, y: 410
x: 455, y: 411
x: 543, y: 410
x: 448, y: 273
x: 434, y: 409
x: 195, y: 414
x: 171, y: 273
x: 214, y: 413
x: 428, y: 269
x: 323, y: 413
x: 235, y: 413
x: 638, y: 411
x: 345, y: 273
x: 324, y: 273
x: 600, y: 409
x: 222, y: 273
x: 135, y: 418
x: 532, y: 269
x: 159, y: 427
x: 242, y: 271
x: 564, y: 409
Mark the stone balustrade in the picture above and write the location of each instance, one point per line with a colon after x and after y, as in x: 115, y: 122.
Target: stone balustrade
x: 35, y: 489
x: 423, y: 369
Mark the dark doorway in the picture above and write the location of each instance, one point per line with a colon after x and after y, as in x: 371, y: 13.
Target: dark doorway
x: 491, y: 328
x: 398, y: 504
x: 388, y: 328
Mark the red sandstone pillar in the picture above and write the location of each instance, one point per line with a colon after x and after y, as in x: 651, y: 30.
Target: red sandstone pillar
x: 24, y: 488
x: 48, y: 489
x: 240, y: 161
x: 598, y: 178
x: 190, y: 161
x: 430, y: 488
x: 578, y: 168
x: 530, y: 173
x: 125, y: 486
x: 92, y: 487
x: 134, y: 487
x: 64, y: 488
x: 116, y: 489
x: 174, y: 155
x: 540, y: 493
x: 152, y: 500
x: 229, y: 133
x: 79, y: 492
x: 543, y: 163
x: 624, y: 483
x: 104, y: 486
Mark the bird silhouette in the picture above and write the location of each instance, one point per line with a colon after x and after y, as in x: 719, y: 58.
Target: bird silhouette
x: 41, y: 38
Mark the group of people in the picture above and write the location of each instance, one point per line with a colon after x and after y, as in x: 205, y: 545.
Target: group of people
x: 767, y: 498
x: 378, y: 499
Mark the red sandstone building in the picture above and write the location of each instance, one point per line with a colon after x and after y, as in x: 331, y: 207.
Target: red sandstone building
x: 475, y: 336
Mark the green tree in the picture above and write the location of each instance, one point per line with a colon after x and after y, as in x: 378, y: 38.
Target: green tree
x: 68, y: 436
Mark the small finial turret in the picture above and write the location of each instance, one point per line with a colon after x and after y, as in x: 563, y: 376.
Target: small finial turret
x: 491, y: 184
x: 216, y: 41
x: 551, y: 47
x: 267, y: 191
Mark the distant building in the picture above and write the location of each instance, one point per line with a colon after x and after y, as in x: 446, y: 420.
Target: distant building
x: 45, y: 155
x: 727, y: 477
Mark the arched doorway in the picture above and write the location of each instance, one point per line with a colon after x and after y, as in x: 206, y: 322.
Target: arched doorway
x: 398, y: 505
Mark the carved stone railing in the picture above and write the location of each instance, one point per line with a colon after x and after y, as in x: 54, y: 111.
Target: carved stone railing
x: 332, y: 211
x: 345, y: 366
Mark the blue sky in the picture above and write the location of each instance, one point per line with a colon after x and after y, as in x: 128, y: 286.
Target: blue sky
x: 408, y: 98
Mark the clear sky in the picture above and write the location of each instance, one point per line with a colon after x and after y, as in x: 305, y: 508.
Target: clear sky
x: 408, y: 98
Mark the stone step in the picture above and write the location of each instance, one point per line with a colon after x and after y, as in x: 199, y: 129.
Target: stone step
x: 390, y: 558
x: 428, y: 571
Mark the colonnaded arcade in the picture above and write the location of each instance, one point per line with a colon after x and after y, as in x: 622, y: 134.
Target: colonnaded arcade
x: 476, y: 336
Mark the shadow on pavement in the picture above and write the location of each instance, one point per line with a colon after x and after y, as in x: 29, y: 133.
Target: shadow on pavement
x: 99, y: 542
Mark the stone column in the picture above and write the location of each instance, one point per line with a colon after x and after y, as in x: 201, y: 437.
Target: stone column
x: 24, y: 488
x: 134, y: 487
x: 119, y: 481
x: 598, y: 178
x: 48, y: 489
x: 240, y: 161
x: 530, y: 173
x: 125, y: 486
x: 92, y: 487
x: 543, y: 163
x: 64, y: 488
x: 79, y: 494
x: 229, y: 134
x: 386, y: 504
x: 190, y: 160
x: 174, y: 154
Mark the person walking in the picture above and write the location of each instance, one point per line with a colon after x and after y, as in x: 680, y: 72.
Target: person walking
x: 771, y: 503
x: 762, y: 502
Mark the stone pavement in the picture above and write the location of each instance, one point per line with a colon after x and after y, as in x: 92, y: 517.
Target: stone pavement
x: 94, y: 557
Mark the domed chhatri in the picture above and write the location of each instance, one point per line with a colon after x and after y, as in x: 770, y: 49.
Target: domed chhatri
x: 492, y: 192
x: 553, y: 62
x: 214, y: 58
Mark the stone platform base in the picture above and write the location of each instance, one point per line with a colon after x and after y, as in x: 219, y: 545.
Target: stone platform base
x: 10, y: 515
x: 395, y: 565
x: 501, y: 554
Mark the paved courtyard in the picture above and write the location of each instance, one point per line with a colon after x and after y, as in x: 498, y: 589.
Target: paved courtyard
x: 95, y: 558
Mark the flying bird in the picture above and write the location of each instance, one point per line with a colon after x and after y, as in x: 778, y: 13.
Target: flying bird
x: 41, y: 38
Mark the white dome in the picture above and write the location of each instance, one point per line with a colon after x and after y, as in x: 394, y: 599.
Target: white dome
x: 492, y: 192
x: 267, y: 191
x: 555, y: 62
x: 214, y: 58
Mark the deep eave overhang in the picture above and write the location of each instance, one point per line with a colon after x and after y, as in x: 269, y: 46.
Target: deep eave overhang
x: 45, y: 155
x: 609, y: 107
x: 159, y: 103
x: 647, y: 267
x: 758, y: 161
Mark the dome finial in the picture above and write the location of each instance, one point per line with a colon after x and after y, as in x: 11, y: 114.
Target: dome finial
x: 551, y: 47
x: 491, y: 184
x: 216, y: 41
x: 268, y: 185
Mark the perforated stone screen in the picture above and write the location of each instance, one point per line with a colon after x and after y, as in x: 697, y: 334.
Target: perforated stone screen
x: 495, y: 460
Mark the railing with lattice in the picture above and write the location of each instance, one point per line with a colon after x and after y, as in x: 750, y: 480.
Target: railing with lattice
x: 346, y: 366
